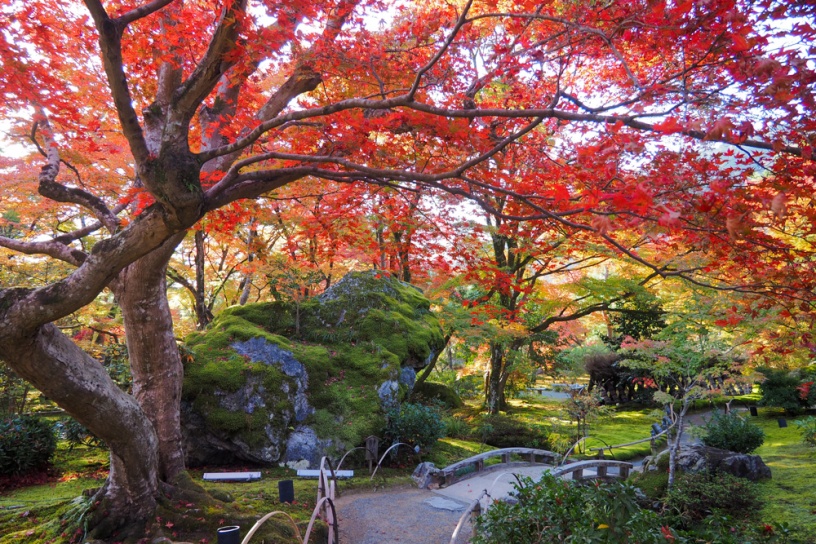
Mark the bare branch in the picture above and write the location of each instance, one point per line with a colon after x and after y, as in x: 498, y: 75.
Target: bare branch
x: 51, y: 248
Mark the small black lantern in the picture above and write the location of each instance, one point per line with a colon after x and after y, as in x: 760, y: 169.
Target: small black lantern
x: 753, y: 411
x: 782, y: 422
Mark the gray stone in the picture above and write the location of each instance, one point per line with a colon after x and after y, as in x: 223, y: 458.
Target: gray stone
x: 262, y: 351
x: 408, y: 377
x: 699, y: 458
x: 445, y: 504
x: 389, y: 394
x: 426, y: 475
x: 304, y: 445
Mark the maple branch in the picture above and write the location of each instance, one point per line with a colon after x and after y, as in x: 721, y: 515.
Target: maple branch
x: 51, y: 248
x: 141, y: 12
x: 110, y: 44
x: 207, y: 73
x: 460, y: 22
x: 252, y: 185
x: 50, y: 188
x: 33, y: 138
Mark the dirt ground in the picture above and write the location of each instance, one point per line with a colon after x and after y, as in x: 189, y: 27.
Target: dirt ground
x: 402, y: 516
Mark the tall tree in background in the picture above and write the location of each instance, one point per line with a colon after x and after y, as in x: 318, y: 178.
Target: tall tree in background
x: 148, y: 117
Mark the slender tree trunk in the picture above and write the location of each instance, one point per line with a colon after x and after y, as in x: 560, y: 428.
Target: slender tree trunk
x: 154, y: 358
x: 428, y: 369
x: 203, y: 314
x: 494, y: 395
x: 79, y: 384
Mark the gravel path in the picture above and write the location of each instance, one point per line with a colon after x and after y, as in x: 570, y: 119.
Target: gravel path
x: 404, y: 516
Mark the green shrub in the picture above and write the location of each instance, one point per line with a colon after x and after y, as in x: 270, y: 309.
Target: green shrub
x: 807, y: 427
x: 694, y: 496
x: 779, y: 389
x: 415, y: 424
x: 560, y: 511
x: 26, y: 444
x: 457, y: 427
x: 505, y: 432
x: 732, y: 432
x: 429, y: 392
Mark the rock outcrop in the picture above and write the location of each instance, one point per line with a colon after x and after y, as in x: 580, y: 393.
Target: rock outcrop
x: 277, y: 383
x: 699, y: 458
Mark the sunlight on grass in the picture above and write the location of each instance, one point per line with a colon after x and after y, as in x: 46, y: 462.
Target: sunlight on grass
x: 788, y: 495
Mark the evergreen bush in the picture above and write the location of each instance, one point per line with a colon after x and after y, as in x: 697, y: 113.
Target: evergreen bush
x: 415, y: 424
x: 779, y: 389
x: 733, y: 433
x: 561, y: 511
x: 26, y: 444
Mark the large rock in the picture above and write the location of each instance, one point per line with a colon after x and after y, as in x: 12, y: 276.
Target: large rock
x: 699, y: 458
x: 277, y: 383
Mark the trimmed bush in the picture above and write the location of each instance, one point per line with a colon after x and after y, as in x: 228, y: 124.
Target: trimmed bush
x: 415, y: 424
x: 430, y: 392
x: 733, y: 433
x: 694, y: 496
x: 26, y: 444
x: 779, y: 389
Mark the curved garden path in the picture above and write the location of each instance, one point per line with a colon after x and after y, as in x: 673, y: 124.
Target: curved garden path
x: 420, y: 516
x: 400, y: 516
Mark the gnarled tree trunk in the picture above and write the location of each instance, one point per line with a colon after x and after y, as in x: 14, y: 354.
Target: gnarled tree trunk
x: 79, y: 384
x: 154, y: 358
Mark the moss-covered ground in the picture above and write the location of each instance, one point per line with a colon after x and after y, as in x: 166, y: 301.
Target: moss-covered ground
x: 46, y: 508
x: 24, y: 511
x: 788, y: 496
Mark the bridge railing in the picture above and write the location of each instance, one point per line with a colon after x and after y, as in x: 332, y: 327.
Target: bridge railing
x: 601, y: 467
x: 457, y: 471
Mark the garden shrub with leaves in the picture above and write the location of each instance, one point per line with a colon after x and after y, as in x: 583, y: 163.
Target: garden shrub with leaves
x: 807, y: 426
x: 560, y: 511
x: 733, y: 433
x: 26, y: 444
x: 780, y: 389
x: 76, y: 434
x: 695, y: 496
x: 414, y: 424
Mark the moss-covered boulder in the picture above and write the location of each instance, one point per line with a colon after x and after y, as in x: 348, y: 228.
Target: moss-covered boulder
x: 278, y: 383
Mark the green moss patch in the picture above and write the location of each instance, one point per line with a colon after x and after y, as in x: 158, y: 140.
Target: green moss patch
x: 350, y: 340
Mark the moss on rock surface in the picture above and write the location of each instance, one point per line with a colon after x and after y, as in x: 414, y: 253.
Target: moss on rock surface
x: 263, y: 388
